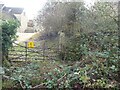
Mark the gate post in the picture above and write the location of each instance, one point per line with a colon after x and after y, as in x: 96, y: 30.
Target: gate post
x: 43, y: 50
x: 25, y: 51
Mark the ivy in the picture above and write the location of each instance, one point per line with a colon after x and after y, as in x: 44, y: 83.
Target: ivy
x: 9, y: 29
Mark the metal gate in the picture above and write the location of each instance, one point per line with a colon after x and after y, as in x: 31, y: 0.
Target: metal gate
x: 40, y: 51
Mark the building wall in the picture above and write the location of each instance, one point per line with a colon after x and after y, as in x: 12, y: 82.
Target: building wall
x: 23, y: 21
x: 7, y: 16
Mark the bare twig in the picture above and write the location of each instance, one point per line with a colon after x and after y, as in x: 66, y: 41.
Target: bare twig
x: 7, y: 77
x: 40, y: 85
x: 61, y: 78
x: 21, y: 85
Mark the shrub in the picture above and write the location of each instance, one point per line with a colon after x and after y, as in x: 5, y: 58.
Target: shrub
x: 99, y: 50
x: 8, y: 36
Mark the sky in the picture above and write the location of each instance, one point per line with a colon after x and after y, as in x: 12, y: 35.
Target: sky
x: 31, y: 7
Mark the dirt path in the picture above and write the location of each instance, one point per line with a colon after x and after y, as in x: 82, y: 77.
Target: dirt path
x: 22, y: 37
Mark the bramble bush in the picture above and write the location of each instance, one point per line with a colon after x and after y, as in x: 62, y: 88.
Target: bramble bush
x: 98, y: 50
x: 91, y: 75
x: 78, y: 78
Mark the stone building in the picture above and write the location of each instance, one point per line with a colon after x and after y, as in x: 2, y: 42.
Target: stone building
x: 14, y: 13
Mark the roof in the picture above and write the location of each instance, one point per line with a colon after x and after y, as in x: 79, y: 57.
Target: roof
x: 6, y: 15
x: 1, y: 6
x: 13, y: 10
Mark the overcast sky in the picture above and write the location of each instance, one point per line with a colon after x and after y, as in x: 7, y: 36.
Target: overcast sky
x: 31, y: 7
